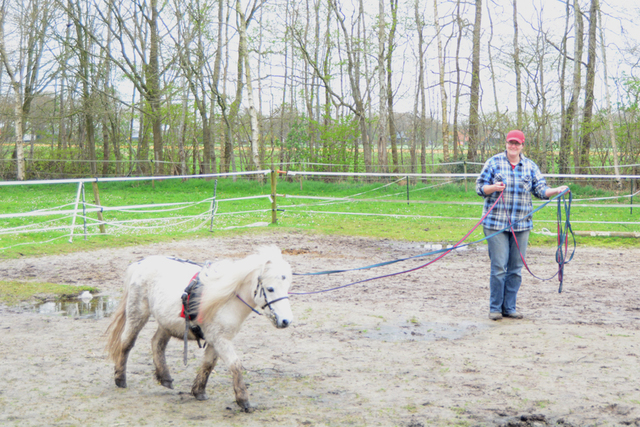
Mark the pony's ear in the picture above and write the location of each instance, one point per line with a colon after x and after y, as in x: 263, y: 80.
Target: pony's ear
x: 265, y: 266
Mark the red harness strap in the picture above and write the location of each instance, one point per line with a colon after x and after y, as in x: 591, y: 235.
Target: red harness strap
x: 182, y: 314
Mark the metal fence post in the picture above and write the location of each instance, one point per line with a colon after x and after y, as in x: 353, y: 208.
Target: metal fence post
x: 213, y: 204
x: 75, y: 210
x: 465, y: 177
x: 635, y: 173
x: 274, y: 205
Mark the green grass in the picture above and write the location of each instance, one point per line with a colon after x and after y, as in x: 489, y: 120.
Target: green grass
x: 435, y: 213
x: 15, y: 292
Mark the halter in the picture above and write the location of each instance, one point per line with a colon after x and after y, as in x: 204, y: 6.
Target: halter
x: 260, y: 287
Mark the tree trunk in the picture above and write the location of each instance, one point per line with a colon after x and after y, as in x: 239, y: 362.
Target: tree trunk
x: 572, y: 111
x: 84, y: 66
x: 383, y: 135
x: 456, y: 105
x: 491, y: 68
x: 443, y: 92
x: 153, y: 81
x: 474, y: 99
x: 143, y: 146
x: 354, y: 81
x: 585, y: 145
x: 20, y: 161
x: 421, y: 90
x: 565, y: 123
x: 216, y: 71
x: 183, y: 132
x: 612, y: 133
x: 105, y: 148
x: 389, y: 68
x: 253, y: 115
x: 516, y: 66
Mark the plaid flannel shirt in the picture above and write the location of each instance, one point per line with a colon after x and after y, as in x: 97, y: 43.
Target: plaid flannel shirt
x: 520, y: 183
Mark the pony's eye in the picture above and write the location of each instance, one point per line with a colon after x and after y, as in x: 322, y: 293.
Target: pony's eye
x: 284, y: 277
x: 270, y: 289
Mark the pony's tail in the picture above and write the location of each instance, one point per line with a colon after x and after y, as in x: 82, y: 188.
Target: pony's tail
x: 115, y: 329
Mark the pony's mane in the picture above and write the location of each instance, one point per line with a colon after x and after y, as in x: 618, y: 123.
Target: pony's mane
x: 223, y: 279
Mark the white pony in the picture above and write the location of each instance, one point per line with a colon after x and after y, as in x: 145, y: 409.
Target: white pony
x: 230, y: 291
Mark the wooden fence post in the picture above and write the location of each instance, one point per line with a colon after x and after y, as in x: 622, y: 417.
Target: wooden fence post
x: 465, y: 177
x: 96, y: 196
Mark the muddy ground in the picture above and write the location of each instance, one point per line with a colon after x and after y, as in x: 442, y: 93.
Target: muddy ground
x: 415, y: 349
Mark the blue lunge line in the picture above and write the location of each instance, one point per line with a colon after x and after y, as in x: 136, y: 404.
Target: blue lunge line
x: 559, y: 255
x: 429, y: 253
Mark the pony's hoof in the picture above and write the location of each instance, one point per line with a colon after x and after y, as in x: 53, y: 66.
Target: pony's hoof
x: 201, y: 396
x: 121, y: 382
x: 246, y: 407
x: 167, y: 384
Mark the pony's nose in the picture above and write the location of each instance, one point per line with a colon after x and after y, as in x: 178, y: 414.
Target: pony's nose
x: 285, y: 323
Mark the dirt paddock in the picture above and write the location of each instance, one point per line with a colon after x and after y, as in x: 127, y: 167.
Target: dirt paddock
x: 415, y: 349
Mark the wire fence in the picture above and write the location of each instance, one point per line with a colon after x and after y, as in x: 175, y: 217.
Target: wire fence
x: 67, y: 220
x: 61, y: 168
x: 76, y: 217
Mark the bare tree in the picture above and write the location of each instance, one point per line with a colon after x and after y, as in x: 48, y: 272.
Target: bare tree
x: 358, y: 107
x: 109, y: 114
x: 137, y: 31
x: 83, y: 47
x: 194, y: 48
x: 243, y: 51
x: 230, y: 112
x: 538, y: 99
x: 201, y: 72
x: 24, y: 66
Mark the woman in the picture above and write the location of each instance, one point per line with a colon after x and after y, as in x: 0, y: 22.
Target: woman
x: 517, y: 177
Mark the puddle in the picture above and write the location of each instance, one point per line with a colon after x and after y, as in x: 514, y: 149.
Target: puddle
x: 424, y: 331
x: 97, y: 307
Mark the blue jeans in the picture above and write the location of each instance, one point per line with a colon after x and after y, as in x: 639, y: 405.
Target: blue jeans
x: 506, y: 266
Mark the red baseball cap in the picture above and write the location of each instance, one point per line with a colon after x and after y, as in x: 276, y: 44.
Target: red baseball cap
x: 516, y: 135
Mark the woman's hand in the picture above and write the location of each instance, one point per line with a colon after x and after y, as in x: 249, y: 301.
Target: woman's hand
x: 492, y: 188
x: 557, y: 190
